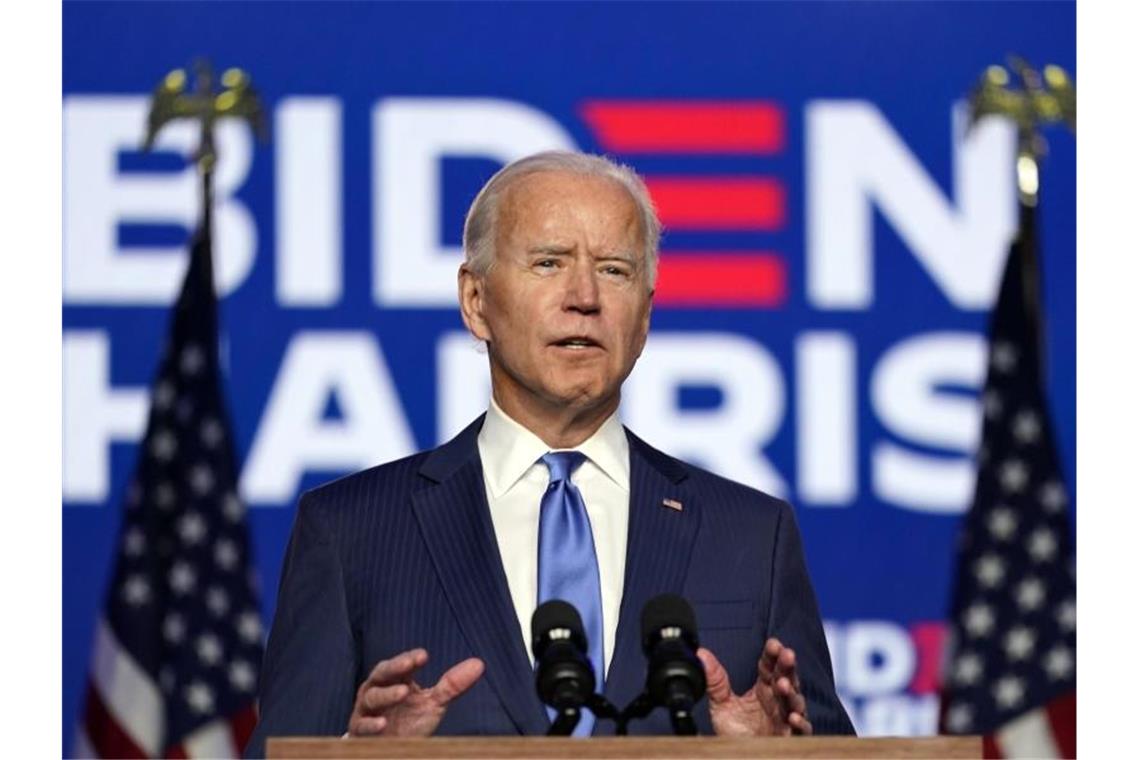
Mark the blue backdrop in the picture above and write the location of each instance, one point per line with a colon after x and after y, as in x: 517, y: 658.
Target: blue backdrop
x: 842, y: 369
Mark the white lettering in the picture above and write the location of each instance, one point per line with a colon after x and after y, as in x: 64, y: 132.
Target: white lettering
x: 308, y: 184
x: 855, y: 161
x: 97, y: 198
x: 294, y: 438
x: 728, y: 438
x: 899, y: 715
x: 463, y: 382
x: 827, y: 446
x: 906, y: 395
x: 95, y: 415
x: 410, y: 137
x: 836, y: 643
x: 879, y: 658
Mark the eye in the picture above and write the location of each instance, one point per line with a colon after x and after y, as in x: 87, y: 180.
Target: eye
x: 614, y: 270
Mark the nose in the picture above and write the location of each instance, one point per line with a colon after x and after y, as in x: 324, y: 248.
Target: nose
x: 582, y: 289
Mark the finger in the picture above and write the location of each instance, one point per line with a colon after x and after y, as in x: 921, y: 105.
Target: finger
x: 797, y: 703
x: 786, y: 666
x: 800, y: 724
x: 790, y: 701
x: 719, y: 689
x: 376, y: 699
x: 367, y: 726
x: 458, y: 679
x: 766, y: 667
x: 397, y: 669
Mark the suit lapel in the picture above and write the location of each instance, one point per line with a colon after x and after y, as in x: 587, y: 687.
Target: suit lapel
x: 456, y: 525
x: 658, y: 547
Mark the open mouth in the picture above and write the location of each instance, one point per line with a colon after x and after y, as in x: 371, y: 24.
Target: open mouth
x: 577, y: 343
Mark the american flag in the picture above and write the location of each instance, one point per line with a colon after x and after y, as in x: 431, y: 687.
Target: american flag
x: 1012, y: 672
x: 178, y: 645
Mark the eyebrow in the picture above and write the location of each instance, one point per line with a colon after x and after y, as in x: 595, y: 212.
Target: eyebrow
x: 626, y: 257
x: 549, y: 249
x: 561, y: 250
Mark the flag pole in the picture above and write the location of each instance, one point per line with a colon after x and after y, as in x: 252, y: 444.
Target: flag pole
x: 1011, y: 669
x: 179, y: 642
x: 171, y: 101
x: 1044, y: 98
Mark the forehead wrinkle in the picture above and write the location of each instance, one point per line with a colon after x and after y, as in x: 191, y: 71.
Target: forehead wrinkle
x: 519, y: 208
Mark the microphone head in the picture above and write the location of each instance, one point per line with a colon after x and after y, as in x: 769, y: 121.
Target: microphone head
x: 556, y: 620
x: 668, y: 616
x: 563, y: 675
x: 676, y: 678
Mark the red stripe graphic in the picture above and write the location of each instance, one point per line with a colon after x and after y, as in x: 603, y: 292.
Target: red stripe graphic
x: 1062, y: 713
x: 242, y: 724
x: 929, y: 639
x: 739, y: 278
x: 718, y: 203
x: 107, y: 737
x: 666, y: 126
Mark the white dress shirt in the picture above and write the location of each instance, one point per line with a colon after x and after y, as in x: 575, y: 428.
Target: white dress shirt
x: 516, y: 480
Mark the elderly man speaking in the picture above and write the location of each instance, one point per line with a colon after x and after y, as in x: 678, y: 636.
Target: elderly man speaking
x: 408, y: 589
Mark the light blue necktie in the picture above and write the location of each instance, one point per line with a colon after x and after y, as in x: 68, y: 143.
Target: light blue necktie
x: 567, y: 562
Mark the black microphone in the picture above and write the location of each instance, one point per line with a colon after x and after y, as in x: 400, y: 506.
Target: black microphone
x: 676, y: 678
x: 564, y: 676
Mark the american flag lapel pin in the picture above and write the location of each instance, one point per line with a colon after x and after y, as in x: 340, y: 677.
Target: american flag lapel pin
x: 672, y: 504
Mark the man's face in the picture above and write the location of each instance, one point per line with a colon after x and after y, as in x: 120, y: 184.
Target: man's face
x: 565, y: 308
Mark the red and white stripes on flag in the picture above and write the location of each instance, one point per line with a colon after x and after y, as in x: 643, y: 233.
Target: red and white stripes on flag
x: 125, y: 713
x: 1048, y: 731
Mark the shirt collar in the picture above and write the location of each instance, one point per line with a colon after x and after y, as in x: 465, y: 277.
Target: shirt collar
x: 508, y: 450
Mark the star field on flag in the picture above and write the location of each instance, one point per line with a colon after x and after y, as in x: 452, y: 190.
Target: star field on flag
x: 177, y: 650
x: 1012, y: 674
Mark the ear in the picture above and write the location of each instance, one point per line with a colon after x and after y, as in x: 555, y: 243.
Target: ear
x: 472, y: 288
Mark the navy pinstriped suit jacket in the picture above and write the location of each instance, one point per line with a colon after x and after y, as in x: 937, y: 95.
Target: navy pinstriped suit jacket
x: 404, y: 555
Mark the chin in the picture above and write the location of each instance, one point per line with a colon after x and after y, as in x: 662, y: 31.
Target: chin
x: 585, y: 397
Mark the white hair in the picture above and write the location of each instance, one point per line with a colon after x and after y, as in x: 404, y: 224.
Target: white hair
x: 479, y: 228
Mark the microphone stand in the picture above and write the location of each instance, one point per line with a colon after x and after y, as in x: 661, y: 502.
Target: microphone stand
x: 680, y: 715
x: 603, y: 708
x: 565, y: 722
x: 683, y: 723
x: 568, y: 716
x: 638, y: 708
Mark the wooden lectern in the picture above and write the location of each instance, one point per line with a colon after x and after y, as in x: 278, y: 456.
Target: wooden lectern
x: 625, y: 748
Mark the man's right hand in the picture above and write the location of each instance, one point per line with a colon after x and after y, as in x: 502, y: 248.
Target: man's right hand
x: 391, y: 703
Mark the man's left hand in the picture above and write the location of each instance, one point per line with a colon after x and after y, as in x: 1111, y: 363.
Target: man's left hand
x: 773, y: 706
